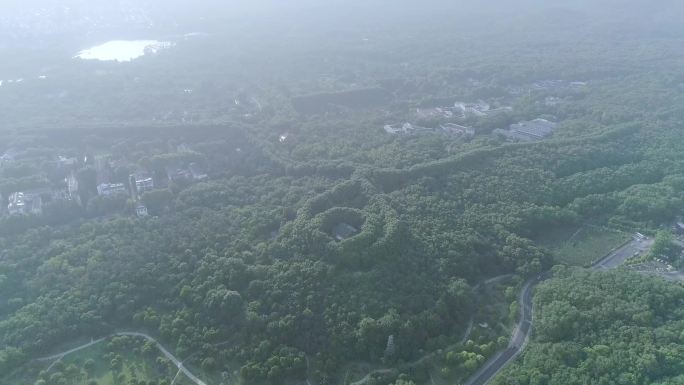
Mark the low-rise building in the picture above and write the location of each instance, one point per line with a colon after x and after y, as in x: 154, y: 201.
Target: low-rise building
x: 529, y: 130
x: 141, y: 211
x: 457, y: 129
x: 436, y: 112
x: 197, y: 172
x: 24, y: 204
x: 72, y: 184
x: 344, y: 231
x: 109, y: 189
x: 405, y: 128
x: 552, y: 101
x: 8, y: 157
x: 143, y: 182
x: 65, y: 162
x: 480, y: 108
x: 177, y: 174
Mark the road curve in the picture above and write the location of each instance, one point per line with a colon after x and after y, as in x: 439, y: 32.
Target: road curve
x: 466, y: 334
x: 167, y: 354
x: 519, y: 337
x: 524, y: 327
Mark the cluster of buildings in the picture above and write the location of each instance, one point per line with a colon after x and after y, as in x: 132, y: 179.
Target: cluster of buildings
x: 547, y: 85
x: 438, y: 113
x: 178, y: 173
x: 30, y: 202
x: 536, y: 129
x: 447, y: 128
x: 461, y: 110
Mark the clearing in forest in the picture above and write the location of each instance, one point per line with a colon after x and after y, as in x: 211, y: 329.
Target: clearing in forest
x: 583, y: 246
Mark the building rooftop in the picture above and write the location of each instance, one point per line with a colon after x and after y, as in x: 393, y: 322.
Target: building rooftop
x: 107, y: 189
x: 24, y: 204
x: 344, y: 231
x: 529, y: 130
x: 405, y: 128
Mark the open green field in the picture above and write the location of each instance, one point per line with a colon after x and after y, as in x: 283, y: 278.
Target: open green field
x: 582, y: 246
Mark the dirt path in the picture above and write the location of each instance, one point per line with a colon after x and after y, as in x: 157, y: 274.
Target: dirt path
x: 167, y: 354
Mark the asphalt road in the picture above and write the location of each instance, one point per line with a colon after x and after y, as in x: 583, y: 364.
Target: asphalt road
x: 518, y: 340
x: 468, y: 330
x: 620, y: 255
x: 488, y: 371
x: 524, y: 327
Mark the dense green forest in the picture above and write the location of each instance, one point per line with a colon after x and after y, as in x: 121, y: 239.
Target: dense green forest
x: 604, y: 328
x: 312, y: 235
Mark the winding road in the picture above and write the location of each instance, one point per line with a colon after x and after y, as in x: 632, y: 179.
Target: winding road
x: 523, y: 329
x: 466, y: 334
x: 486, y: 373
x: 171, y: 357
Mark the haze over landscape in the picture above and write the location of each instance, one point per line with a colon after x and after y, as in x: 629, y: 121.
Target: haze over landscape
x: 341, y: 192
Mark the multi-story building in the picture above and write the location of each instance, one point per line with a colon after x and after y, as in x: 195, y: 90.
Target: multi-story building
x: 24, y: 204
x: 143, y: 183
x: 108, y: 189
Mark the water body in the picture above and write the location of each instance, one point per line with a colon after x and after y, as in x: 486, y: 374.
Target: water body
x: 123, y: 50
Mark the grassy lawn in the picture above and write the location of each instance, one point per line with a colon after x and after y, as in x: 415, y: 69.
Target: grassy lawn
x: 581, y: 247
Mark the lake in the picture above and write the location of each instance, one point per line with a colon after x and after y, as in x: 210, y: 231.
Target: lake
x: 123, y: 50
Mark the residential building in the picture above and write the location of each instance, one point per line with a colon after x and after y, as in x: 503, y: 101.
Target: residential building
x: 678, y: 227
x: 390, y: 348
x: 177, y: 173
x: 344, y: 231
x: 141, y: 211
x: 536, y: 129
x: 473, y: 109
x: 143, y: 182
x: 403, y: 128
x: 109, y: 189
x: 457, y: 129
x: 72, y: 184
x: 435, y: 113
x: 8, y: 157
x: 197, y: 172
x: 529, y: 130
x: 24, y: 204
x: 65, y: 162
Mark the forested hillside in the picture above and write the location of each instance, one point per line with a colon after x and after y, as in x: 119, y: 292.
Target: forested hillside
x: 293, y: 206
x: 603, y: 328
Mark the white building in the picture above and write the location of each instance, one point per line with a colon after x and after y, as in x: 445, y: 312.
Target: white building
x: 529, y: 130
x: 108, y: 189
x: 405, y: 128
x: 24, y: 204
x: 141, y: 211
x: 143, y: 183
x: 457, y: 129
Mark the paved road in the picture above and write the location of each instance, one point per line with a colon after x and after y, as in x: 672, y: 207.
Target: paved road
x: 522, y: 330
x: 620, y: 255
x: 490, y: 369
x: 518, y: 339
x: 171, y: 357
x: 466, y: 334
